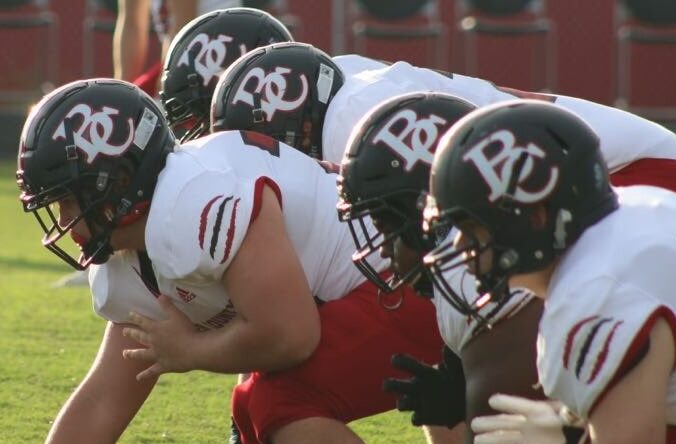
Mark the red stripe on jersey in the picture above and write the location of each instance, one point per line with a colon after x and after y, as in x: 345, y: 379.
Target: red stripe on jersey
x: 656, y: 172
x: 262, y: 141
x: 231, y: 231
x: 638, y: 344
x: 571, y: 338
x: 601, y: 357
x: 258, y: 195
x: 203, y: 219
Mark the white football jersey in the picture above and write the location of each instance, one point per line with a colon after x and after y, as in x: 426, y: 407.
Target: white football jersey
x: 624, y: 137
x: 205, y: 199
x: 364, y: 90
x: 604, y: 297
x: 351, y: 64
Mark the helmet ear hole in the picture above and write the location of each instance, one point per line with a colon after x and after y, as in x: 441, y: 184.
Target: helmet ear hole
x: 539, y: 217
x: 122, y: 176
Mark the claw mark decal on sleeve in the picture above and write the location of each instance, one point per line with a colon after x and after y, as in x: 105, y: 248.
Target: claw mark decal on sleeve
x: 93, y: 136
x: 213, y: 217
x: 587, y: 344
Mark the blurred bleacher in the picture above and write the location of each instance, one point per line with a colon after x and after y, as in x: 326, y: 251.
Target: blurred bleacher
x: 569, y: 47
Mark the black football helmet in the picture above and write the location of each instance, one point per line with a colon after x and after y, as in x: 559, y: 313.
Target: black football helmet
x: 385, y: 170
x: 503, y: 168
x: 102, y: 142
x: 282, y: 90
x: 199, y: 54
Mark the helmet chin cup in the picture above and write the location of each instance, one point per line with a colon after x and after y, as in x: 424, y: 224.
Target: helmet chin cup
x: 385, y: 299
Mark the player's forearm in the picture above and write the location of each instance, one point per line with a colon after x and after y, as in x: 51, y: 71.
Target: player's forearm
x: 130, y: 38
x: 130, y: 54
x: 244, y: 347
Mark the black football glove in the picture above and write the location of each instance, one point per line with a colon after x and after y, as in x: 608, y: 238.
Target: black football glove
x: 436, y: 396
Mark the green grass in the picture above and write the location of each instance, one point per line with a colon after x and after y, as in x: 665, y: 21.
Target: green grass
x: 48, y: 338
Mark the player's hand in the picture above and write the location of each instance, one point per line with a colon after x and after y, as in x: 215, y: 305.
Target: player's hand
x: 166, y: 342
x: 435, y: 396
x: 524, y: 421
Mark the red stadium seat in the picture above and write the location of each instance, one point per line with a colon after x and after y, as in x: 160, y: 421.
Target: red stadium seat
x: 408, y: 30
x: 514, y: 24
x: 29, y: 69
x: 646, y: 34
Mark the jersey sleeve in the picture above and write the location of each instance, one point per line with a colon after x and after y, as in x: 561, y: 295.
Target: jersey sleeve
x: 197, y: 230
x: 624, y: 137
x: 117, y: 289
x: 352, y: 64
x: 586, y: 342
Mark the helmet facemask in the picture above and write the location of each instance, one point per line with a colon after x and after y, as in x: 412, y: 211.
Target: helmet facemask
x: 184, y: 109
x: 392, y: 223
x: 480, y: 258
x: 94, y: 194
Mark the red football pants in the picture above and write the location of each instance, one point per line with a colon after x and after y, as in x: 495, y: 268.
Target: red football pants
x: 343, y: 378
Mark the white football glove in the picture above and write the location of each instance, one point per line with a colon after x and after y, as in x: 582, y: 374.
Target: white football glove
x: 524, y: 421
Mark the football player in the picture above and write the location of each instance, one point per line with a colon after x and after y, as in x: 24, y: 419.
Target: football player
x: 200, y: 52
x: 527, y: 185
x: 385, y: 170
x: 224, y: 255
x: 294, y: 95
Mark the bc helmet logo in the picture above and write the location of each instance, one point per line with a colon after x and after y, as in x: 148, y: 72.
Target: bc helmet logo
x: 209, y: 60
x: 414, y: 141
x: 93, y: 135
x: 498, y: 169
x: 272, y: 89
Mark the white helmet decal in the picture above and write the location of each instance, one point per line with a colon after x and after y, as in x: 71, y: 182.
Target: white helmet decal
x: 272, y: 88
x: 93, y: 135
x: 423, y: 134
x: 209, y: 60
x: 496, y: 171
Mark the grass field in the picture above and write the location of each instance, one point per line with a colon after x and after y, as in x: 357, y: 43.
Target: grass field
x: 49, y: 336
